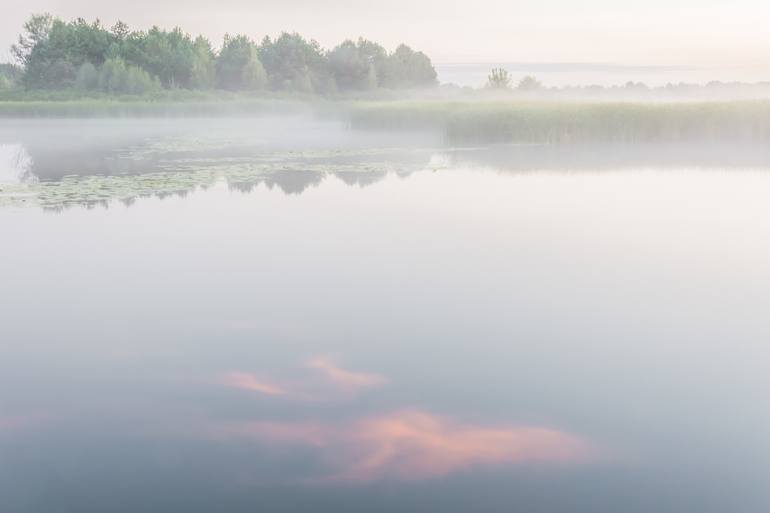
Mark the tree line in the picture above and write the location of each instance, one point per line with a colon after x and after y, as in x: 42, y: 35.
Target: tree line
x: 54, y: 54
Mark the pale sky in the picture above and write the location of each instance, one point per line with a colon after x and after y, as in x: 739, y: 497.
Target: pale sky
x: 712, y: 33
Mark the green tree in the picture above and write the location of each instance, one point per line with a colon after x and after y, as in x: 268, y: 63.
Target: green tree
x: 499, y: 79
x: 36, y: 31
x: 294, y: 64
x: 406, y: 68
x: 57, y: 54
x: 204, y: 69
x: 53, y: 52
x: 87, y: 78
x: 118, y: 77
x: 168, y: 55
x: 238, y: 65
x: 357, y: 65
x: 9, y: 75
x: 120, y: 31
x: 86, y: 42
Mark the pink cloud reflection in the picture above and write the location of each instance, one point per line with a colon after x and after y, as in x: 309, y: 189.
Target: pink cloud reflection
x: 345, y: 378
x: 8, y: 423
x: 245, y: 381
x: 16, y: 423
x: 413, y: 444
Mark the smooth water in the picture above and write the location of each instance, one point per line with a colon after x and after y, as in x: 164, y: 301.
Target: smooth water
x: 286, y: 316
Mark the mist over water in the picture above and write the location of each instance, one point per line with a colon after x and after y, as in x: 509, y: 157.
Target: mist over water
x: 290, y: 315
x: 352, y: 257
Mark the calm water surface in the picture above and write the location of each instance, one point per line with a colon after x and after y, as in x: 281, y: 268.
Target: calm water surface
x: 286, y: 316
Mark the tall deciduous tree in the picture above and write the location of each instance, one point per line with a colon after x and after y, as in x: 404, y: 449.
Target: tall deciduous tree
x: 406, y: 68
x: 238, y: 65
x: 357, y: 65
x: 294, y: 64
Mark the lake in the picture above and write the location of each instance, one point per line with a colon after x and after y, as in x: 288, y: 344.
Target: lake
x: 285, y: 315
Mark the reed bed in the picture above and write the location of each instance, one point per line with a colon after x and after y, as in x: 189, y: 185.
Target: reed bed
x: 551, y: 122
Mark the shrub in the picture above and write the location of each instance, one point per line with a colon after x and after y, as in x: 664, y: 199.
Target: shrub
x: 118, y: 77
x: 87, y: 78
x: 529, y: 83
x: 238, y: 66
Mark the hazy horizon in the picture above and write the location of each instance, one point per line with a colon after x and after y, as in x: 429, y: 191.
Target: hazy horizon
x: 731, y: 43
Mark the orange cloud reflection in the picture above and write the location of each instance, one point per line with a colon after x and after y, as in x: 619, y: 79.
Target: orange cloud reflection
x: 246, y: 381
x: 413, y: 444
x: 345, y: 378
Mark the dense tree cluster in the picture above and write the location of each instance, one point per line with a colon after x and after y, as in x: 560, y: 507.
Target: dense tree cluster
x: 54, y: 54
x: 9, y: 75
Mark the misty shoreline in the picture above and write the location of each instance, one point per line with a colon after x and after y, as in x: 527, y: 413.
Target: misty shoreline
x: 59, y: 163
x: 455, y: 121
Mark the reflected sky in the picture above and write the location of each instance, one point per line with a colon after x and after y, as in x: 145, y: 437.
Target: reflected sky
x: 505, y: 329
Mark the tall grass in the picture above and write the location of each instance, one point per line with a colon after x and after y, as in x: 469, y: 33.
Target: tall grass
x: 550, y: 122
x: 460, y: 122
x: 173, y: 103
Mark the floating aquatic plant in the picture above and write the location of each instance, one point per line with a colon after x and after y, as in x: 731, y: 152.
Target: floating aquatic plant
x: 292, y: 172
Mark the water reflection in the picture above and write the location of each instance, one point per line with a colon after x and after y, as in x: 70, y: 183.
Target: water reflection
x: 65, y: 163
x: 478, y: 337
x: 405, y: 444
x: 15, y: 164
x: 410, y: 445
x: 119, y: 161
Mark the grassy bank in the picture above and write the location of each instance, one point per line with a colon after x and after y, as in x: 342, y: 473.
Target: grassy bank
x: 459, y: 121
x: 181, y: 103
x: 560, y: 122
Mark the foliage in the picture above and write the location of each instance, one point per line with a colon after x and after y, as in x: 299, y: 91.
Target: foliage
x: 529, y: 83
x: 87, y: 78
x: 10, y: 71
x: 238, y: 67
x: 168, y: 55
x: 406, y: 68
x: 9, y: 75
x: 204, y: 68
x: 57, y: 55
x: 499, y: 79
x: 357, y: 66
x: 36, y: 31
x: 294, y: 64
x: 118, y: 77
x: 52, y: 51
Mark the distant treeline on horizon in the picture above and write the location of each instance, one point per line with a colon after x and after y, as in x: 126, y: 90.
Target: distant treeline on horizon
x: 54, y: 54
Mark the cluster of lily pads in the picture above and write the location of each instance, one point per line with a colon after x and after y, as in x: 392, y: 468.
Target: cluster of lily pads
x: 291, y: 172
